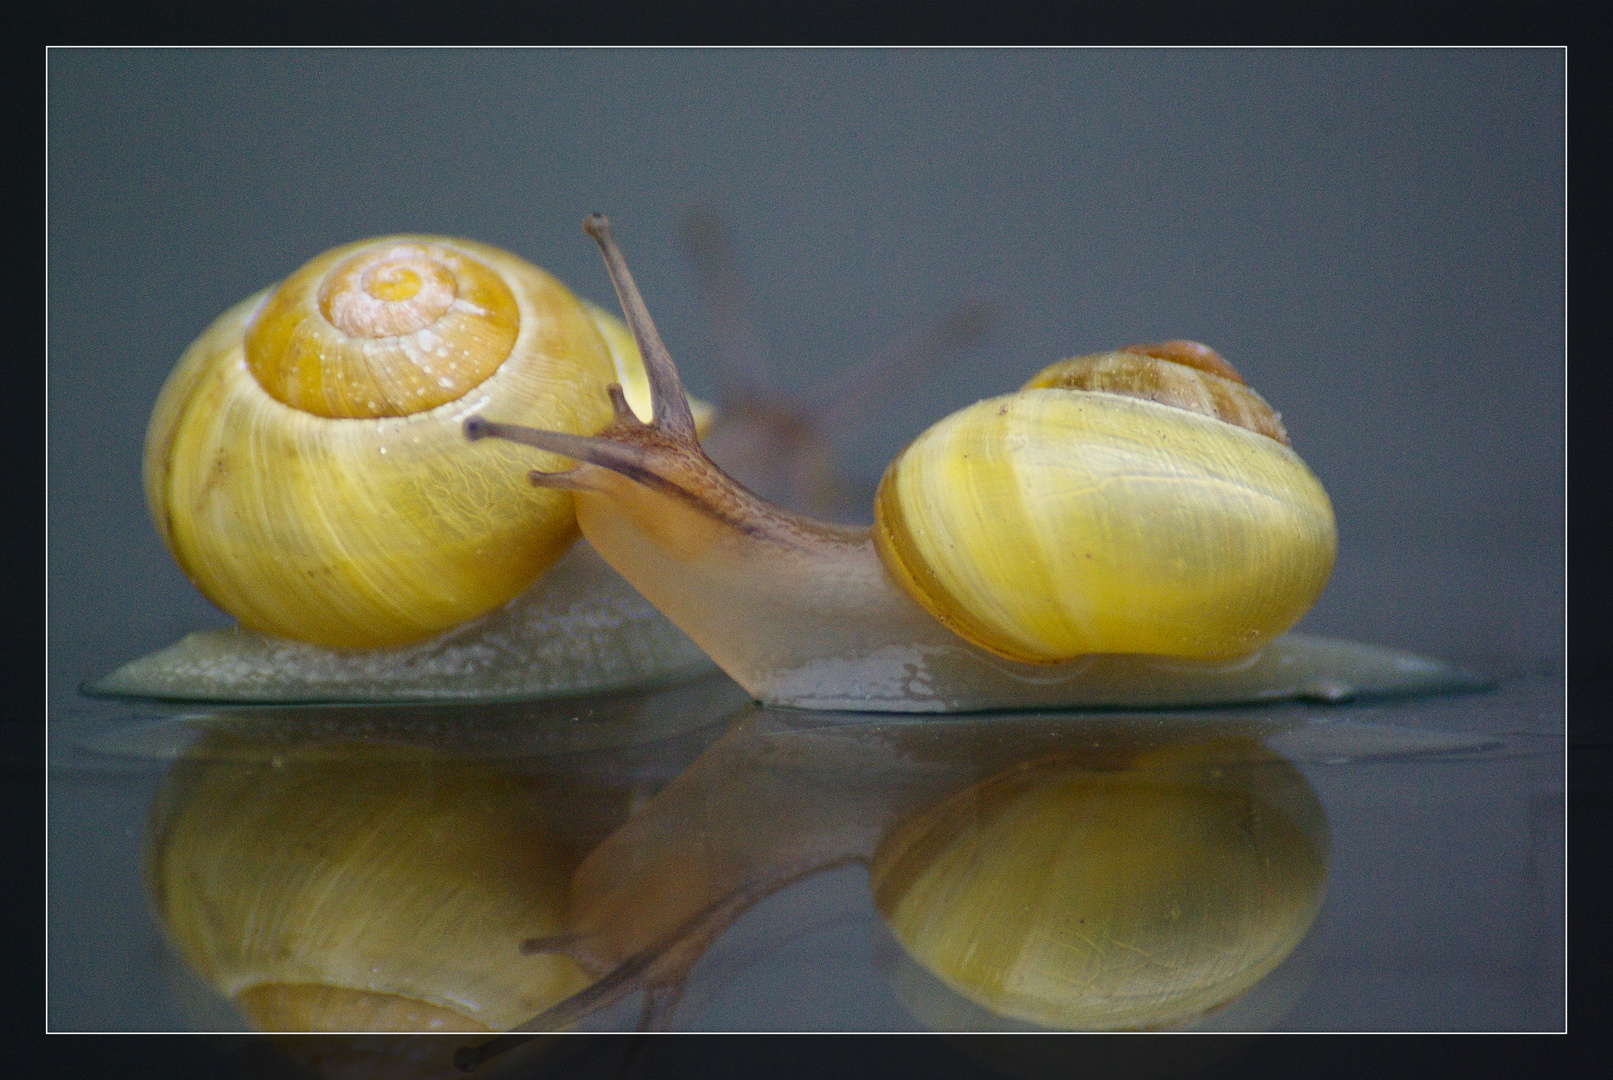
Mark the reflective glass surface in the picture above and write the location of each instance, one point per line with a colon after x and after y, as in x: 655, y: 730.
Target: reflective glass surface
x: 684, y: 859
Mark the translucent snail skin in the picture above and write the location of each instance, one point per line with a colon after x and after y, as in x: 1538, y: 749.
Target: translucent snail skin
x: 1124, y: 518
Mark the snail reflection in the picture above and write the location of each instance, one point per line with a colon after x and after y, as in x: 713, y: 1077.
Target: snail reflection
x: 998, y: 849
x: 1137, y: 897
x: 351, y: 887
x: 433, y: 869
x: 365, y: 869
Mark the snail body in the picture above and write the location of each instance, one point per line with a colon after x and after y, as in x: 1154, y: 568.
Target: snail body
x: 578, y: 629
x: 1117, y: 506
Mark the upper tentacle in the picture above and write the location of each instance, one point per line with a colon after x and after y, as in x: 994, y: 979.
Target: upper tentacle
x: 668, y: 401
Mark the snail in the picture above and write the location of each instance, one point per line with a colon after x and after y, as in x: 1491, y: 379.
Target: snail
x: 304, y: 469
x: 259, y: 452
x: 1142, y: 504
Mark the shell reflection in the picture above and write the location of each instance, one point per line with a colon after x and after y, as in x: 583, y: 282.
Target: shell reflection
x: 353, y: 887
x: 527, y: 868
x: 1140, y: 897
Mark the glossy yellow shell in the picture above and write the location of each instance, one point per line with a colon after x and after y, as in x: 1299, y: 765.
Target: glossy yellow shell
x: 359, y: 887
x: 1104, y: 900
x: 1053, y: 523
x: 305, y: 465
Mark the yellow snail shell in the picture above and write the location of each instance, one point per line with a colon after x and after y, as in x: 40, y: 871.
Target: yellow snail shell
x: 1058, y: 522
x: 304, y: 463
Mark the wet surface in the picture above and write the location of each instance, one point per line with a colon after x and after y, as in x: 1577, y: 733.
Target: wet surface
x: 684, y: 859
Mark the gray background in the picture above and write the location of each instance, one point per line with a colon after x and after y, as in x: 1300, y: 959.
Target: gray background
x: 1374, y: 237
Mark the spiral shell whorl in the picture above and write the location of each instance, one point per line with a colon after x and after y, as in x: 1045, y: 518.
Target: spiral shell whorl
x: 380, y: 328
x: 1206, y: 385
